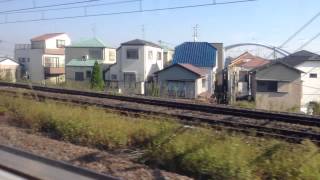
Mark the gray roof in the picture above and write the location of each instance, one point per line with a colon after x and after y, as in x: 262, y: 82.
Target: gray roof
x: 139, y: 42
x: 300, y: 57
x: 272, y: 63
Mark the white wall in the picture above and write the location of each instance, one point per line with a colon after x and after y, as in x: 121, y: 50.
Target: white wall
x: 310, y: 86
x: 78, y: 53
x: 52, y: 42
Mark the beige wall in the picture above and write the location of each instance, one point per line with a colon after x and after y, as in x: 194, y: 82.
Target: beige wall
x: 9, y: 72
x: 280, y: 101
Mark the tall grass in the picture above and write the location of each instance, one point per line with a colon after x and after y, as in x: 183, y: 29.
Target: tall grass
x: 200, y: 152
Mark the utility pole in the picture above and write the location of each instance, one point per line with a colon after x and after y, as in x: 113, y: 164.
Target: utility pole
x: 195, y: 33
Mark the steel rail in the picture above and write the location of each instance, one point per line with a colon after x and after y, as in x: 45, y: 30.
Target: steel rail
x: 214, y: 109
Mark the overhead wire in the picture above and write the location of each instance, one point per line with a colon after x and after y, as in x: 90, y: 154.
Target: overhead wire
x: 139, y: 10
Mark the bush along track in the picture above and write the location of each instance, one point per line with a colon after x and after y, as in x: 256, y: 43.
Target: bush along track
x: 202, y: 153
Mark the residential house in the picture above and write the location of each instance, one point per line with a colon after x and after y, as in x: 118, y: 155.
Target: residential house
x: 167, y: 55
x: 238, y: 75
x: 44, y: 59
x: 182, y: 81
x: 137, y: 60
x: 9, y: 69
x: 276, y: 86
x: 81, y: 57
x: 309, y: 64
x: 202, y: 55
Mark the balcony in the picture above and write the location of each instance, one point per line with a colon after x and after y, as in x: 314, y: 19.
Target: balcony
x: 54, y: 70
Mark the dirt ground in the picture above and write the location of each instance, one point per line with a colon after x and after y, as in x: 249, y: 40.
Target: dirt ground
x: 118, y: 165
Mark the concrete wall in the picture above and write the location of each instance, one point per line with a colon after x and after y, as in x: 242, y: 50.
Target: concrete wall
x: 310, y: 86
x: 70, y: 72
x: 9, y: 70
x: 277, y: 101
x: 280, y: 100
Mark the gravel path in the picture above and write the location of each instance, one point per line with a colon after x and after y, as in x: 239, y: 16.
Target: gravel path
x: 101, y: 161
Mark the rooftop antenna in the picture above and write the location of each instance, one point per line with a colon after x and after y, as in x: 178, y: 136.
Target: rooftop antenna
x: 94, y: 31
x: 195, y: 33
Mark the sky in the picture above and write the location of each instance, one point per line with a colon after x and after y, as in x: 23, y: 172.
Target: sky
x: 268, y: 22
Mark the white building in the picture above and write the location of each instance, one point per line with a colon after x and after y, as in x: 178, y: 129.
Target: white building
x: 43, y: 60
x: 81, y: 56
x: 309, y: 63
x: 9, y: 69
x: 137, y: 60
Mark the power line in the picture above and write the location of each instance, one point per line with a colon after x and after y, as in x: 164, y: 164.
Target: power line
x: 130, y: 12
x: 76, y: 7
x: 308, y: 42
x: 48, y: 6
x: 300, y: 29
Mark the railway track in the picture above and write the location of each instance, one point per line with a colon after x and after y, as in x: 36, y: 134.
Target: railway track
x: 193, y: 112
x: 16, y: 164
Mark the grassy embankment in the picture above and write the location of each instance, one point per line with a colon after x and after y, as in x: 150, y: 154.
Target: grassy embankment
x: 200, y: 152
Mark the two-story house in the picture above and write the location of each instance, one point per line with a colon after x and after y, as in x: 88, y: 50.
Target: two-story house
x: 81, y: 57
x: 238, y: 75
x: 137, y: 60
x: 44, y: 59
x: 309, y: 64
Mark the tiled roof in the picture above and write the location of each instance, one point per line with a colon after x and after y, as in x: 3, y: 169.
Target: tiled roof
x: 300, y: 57
x: 248, y: 60
x: 46, y: 36
x: 189, y: 67
x: 194, y: 69
x: 139, y: 42
x: 93, y: 42
x: 82, y: 63
x: 200, y: 54
x: 7, y: 58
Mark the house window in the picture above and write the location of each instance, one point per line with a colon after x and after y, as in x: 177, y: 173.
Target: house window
x: 150, y: 55
x: 22, y: 60
x: 114, y: 77
x: 61, y: 43
x: 28, y: 59
x: 243, y: 76
x: 159, y: 56
x: 51, y: 62
x: 204, y: 83
x: 132, y: 54
x: 88, y: 74
x: 267, y: 86
x: 79, y: 76
x: 313, y: 75
x: 95, y: 53
x: 112, y: 56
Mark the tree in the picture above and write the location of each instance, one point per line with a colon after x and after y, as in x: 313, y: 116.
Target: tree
x: 96, y: 78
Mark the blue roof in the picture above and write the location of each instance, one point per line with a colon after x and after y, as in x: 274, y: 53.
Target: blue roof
x: 200, y: 54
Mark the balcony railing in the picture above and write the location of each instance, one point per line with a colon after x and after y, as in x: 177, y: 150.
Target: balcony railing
x: 54, y: 70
